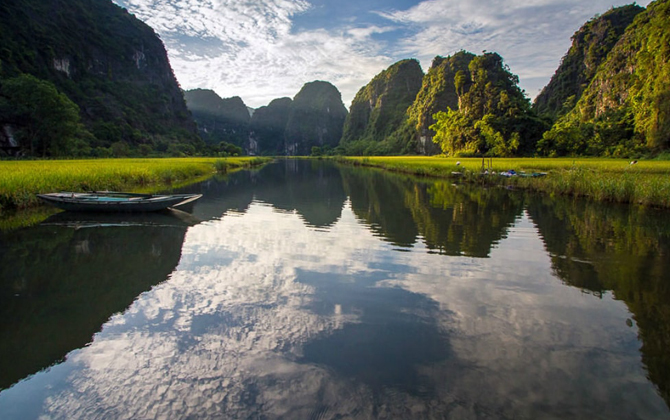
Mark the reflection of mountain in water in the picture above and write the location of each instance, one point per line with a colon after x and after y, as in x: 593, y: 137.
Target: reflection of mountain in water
x: 59, y: 284
x: 232, y: 193
x: 378, y: 199
x: 312, y: 189
x: 625, y: 249
x: 453, y: 220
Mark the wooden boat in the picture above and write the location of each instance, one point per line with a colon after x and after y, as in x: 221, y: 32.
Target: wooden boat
x: 109, y: 201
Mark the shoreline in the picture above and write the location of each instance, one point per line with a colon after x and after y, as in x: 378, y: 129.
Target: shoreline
x: 645, y: 183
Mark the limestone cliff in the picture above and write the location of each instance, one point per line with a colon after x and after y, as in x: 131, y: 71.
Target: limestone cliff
x: 268, y: 124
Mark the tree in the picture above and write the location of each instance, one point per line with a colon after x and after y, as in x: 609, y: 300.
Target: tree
x: 47, y: 121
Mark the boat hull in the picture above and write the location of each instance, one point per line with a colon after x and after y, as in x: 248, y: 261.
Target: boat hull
x: 116, y: 202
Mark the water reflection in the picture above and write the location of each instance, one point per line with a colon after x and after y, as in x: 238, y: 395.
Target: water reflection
x: 60, y: 281
x: 451, y: 220
x: 291, y: 300
x: 311, y: 189
x: 395, y: 332
x: 623, y: 249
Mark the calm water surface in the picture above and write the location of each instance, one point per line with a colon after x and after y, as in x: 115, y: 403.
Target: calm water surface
x: 307, y: 290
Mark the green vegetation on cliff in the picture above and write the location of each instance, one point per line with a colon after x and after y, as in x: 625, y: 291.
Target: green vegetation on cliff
x: 380, y: 108
x: 590, y: 46
x: 493, y: 117
x: 104, y: 60
x: 438, y: 92
x: 45, y: 121
x: 625, y: 110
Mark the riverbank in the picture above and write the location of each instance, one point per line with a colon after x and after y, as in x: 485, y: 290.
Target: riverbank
x: 616, y: 180
x: 21, y: 180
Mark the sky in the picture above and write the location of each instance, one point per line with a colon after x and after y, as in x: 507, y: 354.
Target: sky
x: 266, y: 49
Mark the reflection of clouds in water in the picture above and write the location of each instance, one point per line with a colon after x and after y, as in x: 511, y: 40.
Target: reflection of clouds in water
x: 225, y: 336
x: 220, y: 338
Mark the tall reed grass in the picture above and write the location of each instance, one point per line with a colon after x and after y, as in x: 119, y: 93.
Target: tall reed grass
x: 21, y: 180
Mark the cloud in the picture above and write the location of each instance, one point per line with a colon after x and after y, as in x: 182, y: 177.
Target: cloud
x: 257, y: 51
x: 247, y: 48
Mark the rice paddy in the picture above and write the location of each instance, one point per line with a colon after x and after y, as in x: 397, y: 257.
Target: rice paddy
x: 616, y: 180
x: 21, y: 180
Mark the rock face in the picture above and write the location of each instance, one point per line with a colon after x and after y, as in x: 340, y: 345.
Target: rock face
x: 590, y: 46
x: 625, y: 109
x: 219, y: 119
x: 380, y: 107
x: 316, y: 118
x: 268, y: 125
x: 113, y: 66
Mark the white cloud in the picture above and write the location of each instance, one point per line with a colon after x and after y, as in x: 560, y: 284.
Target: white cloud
x: 247, y: 48
x: 252, y: 49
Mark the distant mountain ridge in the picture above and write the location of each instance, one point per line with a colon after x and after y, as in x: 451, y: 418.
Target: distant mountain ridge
x: 316, y: 118
x: 268, y: 127
x: 313, y: 118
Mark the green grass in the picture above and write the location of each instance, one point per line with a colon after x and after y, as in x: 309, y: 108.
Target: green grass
x: 646, y: 183
x: 21, y: 180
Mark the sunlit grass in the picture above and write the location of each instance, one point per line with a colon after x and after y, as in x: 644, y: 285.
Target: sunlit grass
x: 617, y: 180
x: 21, y: 180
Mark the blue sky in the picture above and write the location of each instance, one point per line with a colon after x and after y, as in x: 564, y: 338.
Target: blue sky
x: 261, y: 50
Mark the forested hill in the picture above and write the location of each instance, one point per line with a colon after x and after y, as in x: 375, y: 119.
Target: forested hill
x: 493, y: 117
x: 465, y: 104
x: 590, y: 46
x: 107, y: 72
x: 625, y: 110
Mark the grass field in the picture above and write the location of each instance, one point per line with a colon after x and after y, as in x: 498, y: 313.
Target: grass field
x: 21, y: 180
x: 616, y: 180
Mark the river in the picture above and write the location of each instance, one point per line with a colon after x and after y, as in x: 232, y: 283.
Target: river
x: 311, y: 290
